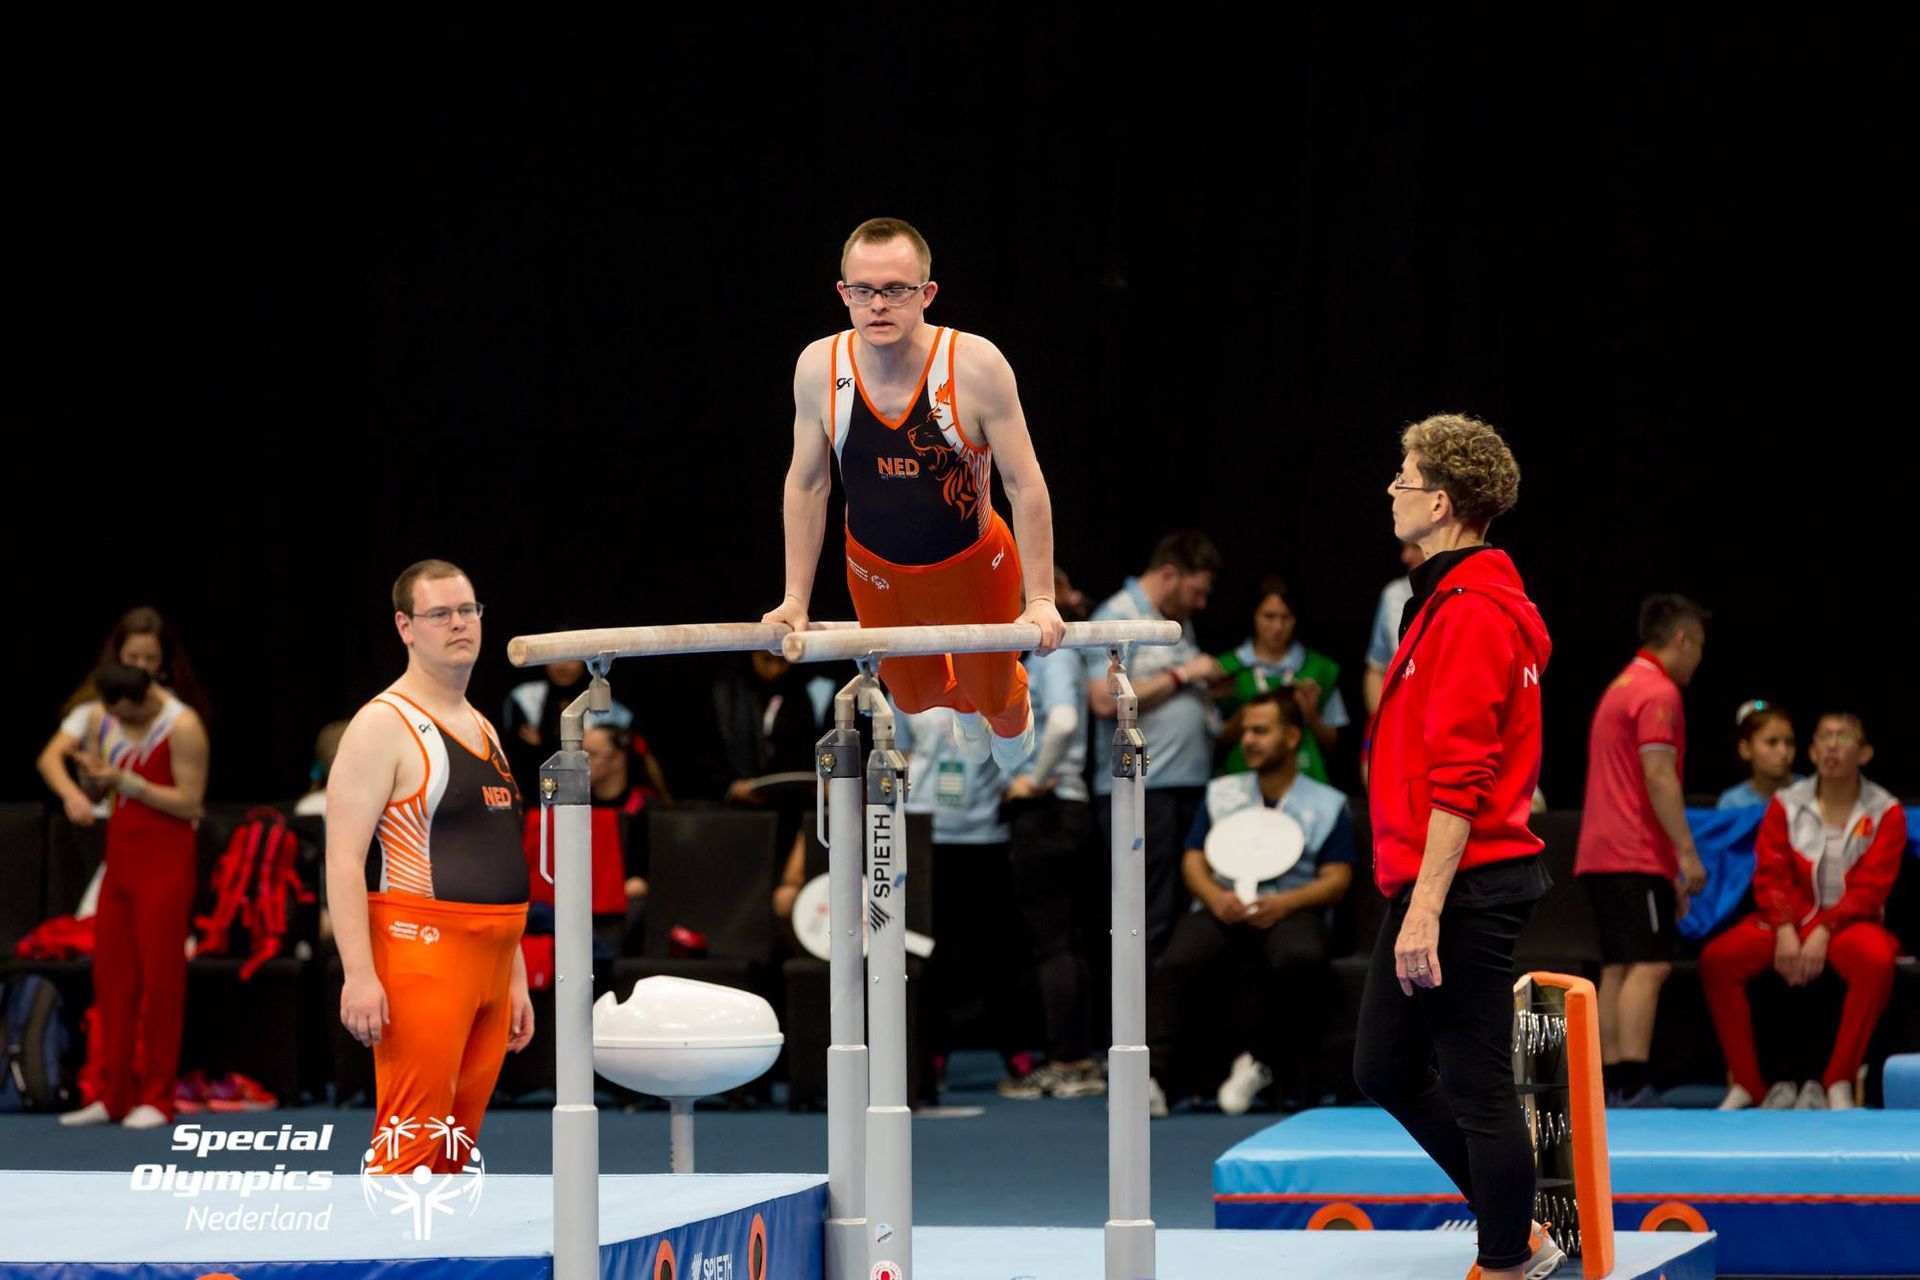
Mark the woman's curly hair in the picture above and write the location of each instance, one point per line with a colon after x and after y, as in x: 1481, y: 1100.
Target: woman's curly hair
x: 1468, y: 459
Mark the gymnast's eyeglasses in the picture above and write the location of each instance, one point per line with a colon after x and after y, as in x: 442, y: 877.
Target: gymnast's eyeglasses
x: 441, y: 617
x: 896, y: 295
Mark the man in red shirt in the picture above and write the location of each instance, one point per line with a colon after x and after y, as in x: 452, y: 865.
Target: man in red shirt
x: 1824, y: 862
x: 1636, y: 854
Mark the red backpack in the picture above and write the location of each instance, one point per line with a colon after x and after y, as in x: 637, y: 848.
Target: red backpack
x: 252, y: 883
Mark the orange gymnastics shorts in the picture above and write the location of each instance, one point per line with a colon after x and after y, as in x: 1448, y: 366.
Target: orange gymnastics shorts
x: 981, y: 584
x: 447, y: 968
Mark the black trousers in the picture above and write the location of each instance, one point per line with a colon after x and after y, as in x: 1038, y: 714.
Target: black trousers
x: 1170, y: 812
x: 1053, y: 857
x: 1441, y: 1062
x: 1226, y: 989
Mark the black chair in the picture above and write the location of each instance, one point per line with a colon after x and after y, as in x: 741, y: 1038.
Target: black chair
x: 23, y: 862
x: 251, y: 1025
x: 73, y: 855
x: 1561, y: 936
x: 712, y: 872
x: 808, y: 1019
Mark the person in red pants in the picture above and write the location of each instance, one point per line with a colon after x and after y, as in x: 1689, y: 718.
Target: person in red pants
x: 153, y: 760
x: 1824, y: 862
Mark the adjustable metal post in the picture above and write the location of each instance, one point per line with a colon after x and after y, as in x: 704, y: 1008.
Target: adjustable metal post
x: 565, y: 790
x: 837, y: 757
x: 889, y: 1201
x: 1129, y: 1235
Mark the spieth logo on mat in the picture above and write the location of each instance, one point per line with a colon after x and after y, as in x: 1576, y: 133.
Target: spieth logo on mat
x: 420, y: 1192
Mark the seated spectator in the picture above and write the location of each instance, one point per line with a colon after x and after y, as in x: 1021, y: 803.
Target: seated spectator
x: 1767, y: 748
x: 1053, y: 857
x: 1258, y: 971
x: 618, y: 836
x: 768, y: 714
x: 1825, y: 860
x: 1272, y: 658
x: 141, y: 638
x: 793, y: 878
x: 530, y: 723
x: 325, y: 747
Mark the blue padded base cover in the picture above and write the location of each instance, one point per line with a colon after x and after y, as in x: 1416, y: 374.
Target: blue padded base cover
x: 1789, y: 1192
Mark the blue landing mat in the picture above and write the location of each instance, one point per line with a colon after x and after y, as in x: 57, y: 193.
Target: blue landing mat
x: 61, y: 1226
x: 1789, y: 1192
x: 967, y: 1253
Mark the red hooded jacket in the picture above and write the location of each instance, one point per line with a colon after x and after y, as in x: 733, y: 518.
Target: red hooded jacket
x: 1459, y: 722
x: 1787, y: 857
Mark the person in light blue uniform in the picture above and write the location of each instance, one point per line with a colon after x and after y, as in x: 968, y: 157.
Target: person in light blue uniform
x: 1244, y: 979
x: 1055, y: 863
x: 1176, y: 715
x: 977, y: 962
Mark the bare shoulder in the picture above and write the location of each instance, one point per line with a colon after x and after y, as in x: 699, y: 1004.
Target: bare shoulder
x: 973, y: 354
x: 189, y: 725
x: 376, y: 732
x: 814, y: 359
x: 810, y: 375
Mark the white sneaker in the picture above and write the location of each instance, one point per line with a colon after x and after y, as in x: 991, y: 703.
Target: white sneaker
x: 1012, y: 754
x: 91, y: 1114
x: 145, y: 1117
x: 1840, y: 1095
x: 1781, y: 1097
x: 971, y: 737
x: 1547, y: 1255
x: 1156, y: 1100
x: 1737, y: 1099
x: 1812, y: 1097
x: 1242, y: 1085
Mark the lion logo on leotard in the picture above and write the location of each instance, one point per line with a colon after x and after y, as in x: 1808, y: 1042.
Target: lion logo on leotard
x: 959, y: 486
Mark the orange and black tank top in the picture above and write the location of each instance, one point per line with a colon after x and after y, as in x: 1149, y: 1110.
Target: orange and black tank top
x: 458, y: 837
x: 918, y: 490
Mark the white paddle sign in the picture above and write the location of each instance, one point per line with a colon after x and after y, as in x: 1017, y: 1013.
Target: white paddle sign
x: 1252, y: 846
x: 812, y: 923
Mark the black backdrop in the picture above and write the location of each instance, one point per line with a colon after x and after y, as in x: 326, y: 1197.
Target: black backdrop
x: 308, y: 298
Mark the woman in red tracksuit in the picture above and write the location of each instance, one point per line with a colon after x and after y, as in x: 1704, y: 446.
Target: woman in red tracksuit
x: 1825, y: 860
x: 1454, y: 759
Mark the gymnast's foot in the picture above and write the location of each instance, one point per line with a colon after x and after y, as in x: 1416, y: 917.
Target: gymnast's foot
x: 1012, y: 754
x: 971, y: 737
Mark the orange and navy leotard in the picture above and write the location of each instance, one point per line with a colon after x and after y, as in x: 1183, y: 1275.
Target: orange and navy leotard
x: 918, y: 491
x: 458, y: 837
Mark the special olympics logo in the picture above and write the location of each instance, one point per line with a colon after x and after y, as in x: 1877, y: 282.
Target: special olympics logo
x: 419, y: 1191
x: 429, y: 935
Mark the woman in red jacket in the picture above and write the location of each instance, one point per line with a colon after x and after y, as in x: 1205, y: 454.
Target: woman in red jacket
x: 1454, y: 759
x: 1824, y: 862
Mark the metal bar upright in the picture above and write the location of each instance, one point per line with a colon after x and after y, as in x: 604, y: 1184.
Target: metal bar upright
x: 889, y: 1203
x: 837, y: 757
x: 565, y: 790
x: 1130, y: 1230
